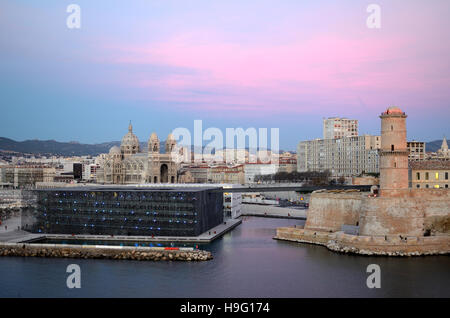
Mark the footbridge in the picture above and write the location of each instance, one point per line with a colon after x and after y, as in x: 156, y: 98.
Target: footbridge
x: 296, y: 188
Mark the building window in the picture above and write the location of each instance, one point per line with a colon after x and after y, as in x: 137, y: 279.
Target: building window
x: 446, y: 176
x: 418, y: 186
x: 436, y: 186
x: 436, y: 175
x: 426, y: 176
x: 418, y: 175
x: 446, y: 186
x: 392, y: 147
x: 426, y: 186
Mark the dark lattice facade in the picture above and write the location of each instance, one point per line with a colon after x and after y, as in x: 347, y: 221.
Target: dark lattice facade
x: 126, y: 211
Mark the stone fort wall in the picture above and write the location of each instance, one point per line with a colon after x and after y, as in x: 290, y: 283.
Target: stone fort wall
x: 328, y: 211
x: 414, y: 212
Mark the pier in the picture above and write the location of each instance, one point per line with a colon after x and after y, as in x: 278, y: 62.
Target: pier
x: 21, y: 243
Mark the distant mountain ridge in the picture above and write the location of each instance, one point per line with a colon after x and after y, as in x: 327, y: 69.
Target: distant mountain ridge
x: 74, y: 148
x: 71, y: 148
x: 433, y: 146
x: 53, y: 147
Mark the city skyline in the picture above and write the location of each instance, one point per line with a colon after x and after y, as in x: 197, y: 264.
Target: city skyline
x: 228, y: 64
x: 224, y: 156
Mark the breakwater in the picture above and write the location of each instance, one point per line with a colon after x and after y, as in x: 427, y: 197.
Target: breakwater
x: 104, y: 252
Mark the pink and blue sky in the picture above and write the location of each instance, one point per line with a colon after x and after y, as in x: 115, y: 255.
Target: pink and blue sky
x: 162, y: 64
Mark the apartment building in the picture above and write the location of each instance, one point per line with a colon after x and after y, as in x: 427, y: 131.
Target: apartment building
x: 226, y: 174
x: 26, y: 176
x: 336, y: 127
x: 349, y: 156
x: 416, y: 150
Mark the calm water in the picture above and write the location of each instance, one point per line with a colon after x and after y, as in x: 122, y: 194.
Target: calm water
x: 247, y: 263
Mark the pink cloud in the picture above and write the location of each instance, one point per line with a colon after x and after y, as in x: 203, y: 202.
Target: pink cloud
x: 322, y: 70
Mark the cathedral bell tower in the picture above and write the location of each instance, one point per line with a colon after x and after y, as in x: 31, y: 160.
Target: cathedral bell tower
x: 153, y: 159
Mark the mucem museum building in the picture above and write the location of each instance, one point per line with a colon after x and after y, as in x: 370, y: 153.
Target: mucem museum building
x: 126, y: 211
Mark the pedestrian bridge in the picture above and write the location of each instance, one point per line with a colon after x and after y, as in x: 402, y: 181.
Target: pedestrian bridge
x: 296, y: 188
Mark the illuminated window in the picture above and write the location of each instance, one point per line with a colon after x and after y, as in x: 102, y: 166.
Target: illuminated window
x: 437, y: 175
x: 436, y: 186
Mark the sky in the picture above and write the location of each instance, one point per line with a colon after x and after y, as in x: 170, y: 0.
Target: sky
x: 283, y: 64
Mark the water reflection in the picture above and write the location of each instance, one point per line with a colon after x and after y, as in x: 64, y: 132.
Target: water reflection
x: 247, y: 263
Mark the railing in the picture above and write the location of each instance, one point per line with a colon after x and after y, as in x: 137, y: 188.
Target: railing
x: 294, y: 188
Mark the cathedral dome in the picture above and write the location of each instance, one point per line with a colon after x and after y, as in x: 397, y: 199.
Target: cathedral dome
x: 114, y: 150
x: 130, y: 142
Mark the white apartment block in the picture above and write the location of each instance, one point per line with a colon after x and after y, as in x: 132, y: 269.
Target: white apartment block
x: 416, y: 150
x: 232, y: 155
x: 90, y: 171
x: 254, y: 169
x: 335, y: 128
x: 346, y: 157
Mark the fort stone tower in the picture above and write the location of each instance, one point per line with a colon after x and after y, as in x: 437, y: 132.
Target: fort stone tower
x: 393, y: 153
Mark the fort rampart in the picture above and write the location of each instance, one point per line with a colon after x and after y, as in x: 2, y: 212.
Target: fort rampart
x: 390, y: 245
x: 408, y: 222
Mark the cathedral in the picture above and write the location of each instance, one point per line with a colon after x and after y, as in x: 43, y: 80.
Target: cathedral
x: 130, y: 165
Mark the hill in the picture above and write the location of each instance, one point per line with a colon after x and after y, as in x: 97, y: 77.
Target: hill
x: 53, y: 147
x: 433, y: 146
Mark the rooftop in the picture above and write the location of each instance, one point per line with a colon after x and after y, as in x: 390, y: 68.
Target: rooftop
x: 161, y: 188
x: 430, y: 165
x: 393, y: 110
